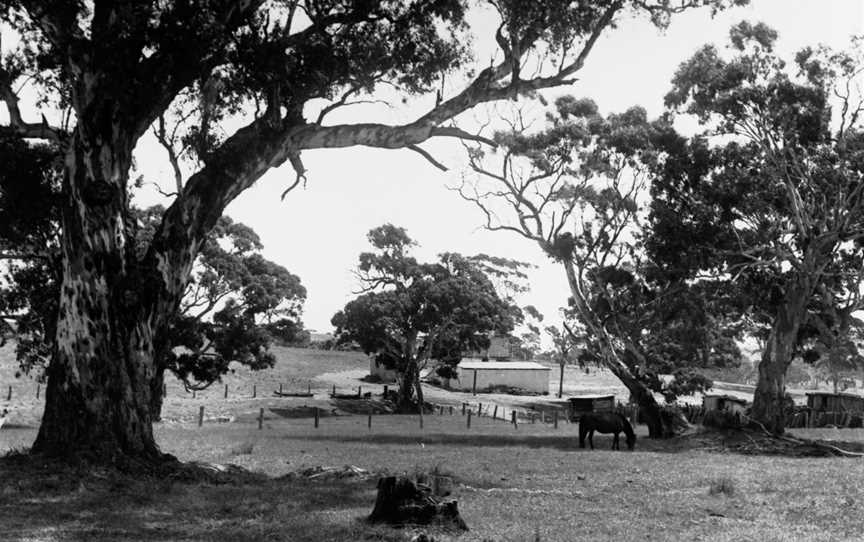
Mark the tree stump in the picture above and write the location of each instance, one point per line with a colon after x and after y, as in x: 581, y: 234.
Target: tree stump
x: 400, y: 501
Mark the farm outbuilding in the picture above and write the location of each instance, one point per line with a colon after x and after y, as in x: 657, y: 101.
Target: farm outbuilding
x: 589, y: 403
x: 726, y: 403
x: 822, y: 401
x: 487, y: 375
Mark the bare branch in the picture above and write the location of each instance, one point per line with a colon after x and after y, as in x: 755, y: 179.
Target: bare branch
x: 428, y: 157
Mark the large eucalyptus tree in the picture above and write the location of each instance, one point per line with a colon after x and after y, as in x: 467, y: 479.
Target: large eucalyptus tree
x: 117, y: 68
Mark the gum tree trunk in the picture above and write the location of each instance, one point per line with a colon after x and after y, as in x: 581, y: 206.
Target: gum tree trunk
x: 658, y: 427
x: 768, y: 399
x: 98, y: 393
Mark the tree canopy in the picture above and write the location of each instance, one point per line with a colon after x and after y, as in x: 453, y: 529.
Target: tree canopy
x: 411, y: 313
x: 769, y: 198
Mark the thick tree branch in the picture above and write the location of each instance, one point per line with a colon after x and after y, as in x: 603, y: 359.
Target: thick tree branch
x: 40, y: 130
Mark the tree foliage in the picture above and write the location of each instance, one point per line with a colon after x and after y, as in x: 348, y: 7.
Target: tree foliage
x: 769, y: 198
x: 577, y: 187
x: 411, y: 312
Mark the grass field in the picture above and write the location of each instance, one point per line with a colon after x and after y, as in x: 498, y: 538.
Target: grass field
x: 523, y: 484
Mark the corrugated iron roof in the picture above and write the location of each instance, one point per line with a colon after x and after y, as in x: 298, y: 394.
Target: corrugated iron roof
x: 838, y: 394
x: 512, y: 365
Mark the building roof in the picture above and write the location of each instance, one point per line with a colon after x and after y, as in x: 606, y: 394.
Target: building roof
x: 471, y: 364
x: 838, y: 394
x: 603, y: 396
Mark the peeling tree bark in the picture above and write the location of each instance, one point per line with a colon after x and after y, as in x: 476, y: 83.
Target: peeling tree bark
x: 768, y: 399
x: 98, y: 393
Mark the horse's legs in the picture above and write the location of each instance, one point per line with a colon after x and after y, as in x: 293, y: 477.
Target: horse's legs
x: 581, y: 435
x: 615, y: 445
x: 591, y: 438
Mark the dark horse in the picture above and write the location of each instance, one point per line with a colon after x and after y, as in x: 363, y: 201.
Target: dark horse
x: 605, y: 422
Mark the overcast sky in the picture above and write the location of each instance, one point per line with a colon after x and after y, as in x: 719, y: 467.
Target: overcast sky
x: 318, y: 231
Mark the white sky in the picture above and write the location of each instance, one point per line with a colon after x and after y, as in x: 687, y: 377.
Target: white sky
x: 318, y: 232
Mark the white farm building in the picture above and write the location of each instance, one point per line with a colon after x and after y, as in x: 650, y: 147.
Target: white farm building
x: 485, y: 375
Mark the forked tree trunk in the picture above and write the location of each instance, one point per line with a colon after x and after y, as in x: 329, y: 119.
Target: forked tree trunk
x: 768, y: 399
x: 407, y: 385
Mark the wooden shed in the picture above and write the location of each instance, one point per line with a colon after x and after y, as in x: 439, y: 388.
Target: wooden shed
x: 728, y: 403
x: 589, y: 403
x: 488, y: 375
x: 823, y: 401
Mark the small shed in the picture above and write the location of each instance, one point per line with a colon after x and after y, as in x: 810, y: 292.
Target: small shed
x: 727, y: 403
x: 823, y: 401
x: 486, y: 375
x: 589, y: 403
x: 380, y: 371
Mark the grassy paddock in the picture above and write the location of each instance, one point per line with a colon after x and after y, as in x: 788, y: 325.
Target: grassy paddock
x: 512, y: 484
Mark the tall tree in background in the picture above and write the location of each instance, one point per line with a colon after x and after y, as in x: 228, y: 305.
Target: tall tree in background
x: 577, y: 188
x: 115, y: 68
x: 411, y: 313
x: 771, y: 196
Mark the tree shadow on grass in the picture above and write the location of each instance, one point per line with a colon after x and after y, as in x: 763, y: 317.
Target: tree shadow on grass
x: 712, y: 441
x: 449, y: 439
x: 44, y: 500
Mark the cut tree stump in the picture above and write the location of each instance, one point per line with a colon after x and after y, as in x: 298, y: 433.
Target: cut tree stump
x: 400, y: 501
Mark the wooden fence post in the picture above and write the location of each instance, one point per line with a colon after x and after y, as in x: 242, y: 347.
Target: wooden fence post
x: 451, y: 410
x: 226, y: 392
x: 533, y: 417
x: 309, y: 388
x: 334, y: 391
x: 385, y: 390
x: 555, y: 419
x: 359, y: 391
x: 513, y: 417
x: 254, y: 391
x: 316, y: 417
x: 261, y: 418
x: 280, y: 388
x: 479, y: 409
x: 201, y: 416
x: 463, y: 408
x: 38, y: 389
x: 469, y: 419
x: 474, y: 386
x: 495, y: 413
x: 369, y: 421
